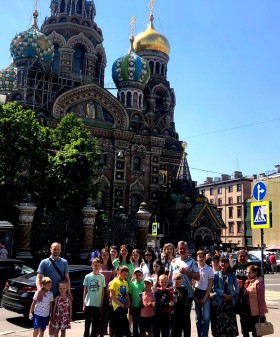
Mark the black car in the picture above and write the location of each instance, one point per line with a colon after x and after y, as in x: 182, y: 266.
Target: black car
x: 11, y: 268
x: 253, y: 260
x: 18, y: 292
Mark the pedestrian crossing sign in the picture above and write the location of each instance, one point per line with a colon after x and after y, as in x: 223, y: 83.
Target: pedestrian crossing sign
x: 260, y: 214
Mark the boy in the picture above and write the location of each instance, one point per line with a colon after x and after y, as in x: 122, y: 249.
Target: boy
x: 163, y: 307
x: 147, y: 310
x: 121, y: 302
x: 135, y: 289
x: 178, y: 317
x: 94, y: 284
x: 42, y: 309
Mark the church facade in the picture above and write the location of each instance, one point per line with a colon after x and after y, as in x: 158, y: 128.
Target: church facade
x: 60, y: 69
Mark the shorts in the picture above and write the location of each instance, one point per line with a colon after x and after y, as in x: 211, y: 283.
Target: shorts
x: 146, y: 323
x: 40, y: 322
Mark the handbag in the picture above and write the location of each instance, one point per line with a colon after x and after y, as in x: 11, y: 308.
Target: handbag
x: 265, y: 328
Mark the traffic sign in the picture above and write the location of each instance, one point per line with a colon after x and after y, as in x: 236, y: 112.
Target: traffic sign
x: 260, y: 215
x: 259, y: 191
x: 154, y: 228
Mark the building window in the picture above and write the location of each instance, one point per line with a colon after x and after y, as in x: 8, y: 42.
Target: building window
x: 230, y: 188
x: 239, y: 227
x: 220, y: 210
x: 202, y: 192
x: 135, y: 203
x: 220, y: 190
x: 230, y: 201
x: 211, y: 191
x: 239, y: 212
x: 79, y: 59
x: 136, y: 163
x: 239, y: 199
x: 238, y: 186
x: 220, y: 201
x: 230, y: 212
x: 230, y: 227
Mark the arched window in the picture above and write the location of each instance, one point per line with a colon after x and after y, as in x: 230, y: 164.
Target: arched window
x: 62, y: 6
x: 79, y: 7
x: 79, y: 58
x: 101, y: 200
x: 135, y: 203
x: 128, y: 99
x: 56, y: 60
x: 137, y: 162
x: 151, y: 63
x: 140, y: 101
x: 162, y: 69
x: 158, y: 68
x: 122, y: 98
x: 135, y: 99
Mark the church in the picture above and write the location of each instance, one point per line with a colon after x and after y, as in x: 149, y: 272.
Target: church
x: 59, y: 68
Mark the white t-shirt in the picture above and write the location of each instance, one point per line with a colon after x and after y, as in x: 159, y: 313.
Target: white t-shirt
x: 42, y: 308
x: 206, y: 273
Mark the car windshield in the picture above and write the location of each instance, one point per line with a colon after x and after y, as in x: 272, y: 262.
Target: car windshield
x: 22, y: 269
x: 252, y: 257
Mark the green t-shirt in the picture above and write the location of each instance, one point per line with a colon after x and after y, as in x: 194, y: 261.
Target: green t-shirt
x: 135, y: 289
x: 95, y: 284
x: 121, y: 291
x: 129, y: 266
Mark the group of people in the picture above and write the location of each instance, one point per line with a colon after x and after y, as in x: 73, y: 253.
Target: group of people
x: 150, y: 296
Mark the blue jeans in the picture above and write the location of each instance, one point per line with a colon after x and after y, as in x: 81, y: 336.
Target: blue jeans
x: 202, y: 318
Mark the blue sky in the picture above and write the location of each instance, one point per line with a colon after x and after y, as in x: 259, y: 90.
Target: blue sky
x: 224, y: 67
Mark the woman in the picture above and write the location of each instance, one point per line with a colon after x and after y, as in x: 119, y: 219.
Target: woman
x: 168, y: 254
x: 108, y: 270
x: 136, y: 260
x: 124, y: 260
x: 158, y: 270
x: 226, y: 290
x: 254, y: 293
x: 147, y: 264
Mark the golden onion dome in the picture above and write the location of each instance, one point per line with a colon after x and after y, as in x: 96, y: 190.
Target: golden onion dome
x: 151, y: 40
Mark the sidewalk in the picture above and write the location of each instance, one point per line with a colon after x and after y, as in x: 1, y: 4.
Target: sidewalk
x: 77, y: 329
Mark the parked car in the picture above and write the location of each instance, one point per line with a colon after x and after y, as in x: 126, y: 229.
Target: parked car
x: 18, y: 292
x: 11, y: 268
x: 265, y: 253
x: 252, y: 259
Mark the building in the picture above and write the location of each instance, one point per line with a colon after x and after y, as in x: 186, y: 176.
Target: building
x: 229, y: 194
x: 60, y: 69
x: 272, y: 182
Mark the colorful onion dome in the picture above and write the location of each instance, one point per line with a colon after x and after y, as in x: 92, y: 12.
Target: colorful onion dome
x: 8, y: 78
x: 32, y: 44
x: 151, y: 40
x: 131, y: 67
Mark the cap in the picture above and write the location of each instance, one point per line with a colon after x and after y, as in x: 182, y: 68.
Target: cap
x: 139, y: 270
x: 148, y: 279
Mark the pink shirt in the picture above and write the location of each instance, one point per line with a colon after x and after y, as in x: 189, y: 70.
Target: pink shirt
x: 147, y: 297
x: 108, y: 274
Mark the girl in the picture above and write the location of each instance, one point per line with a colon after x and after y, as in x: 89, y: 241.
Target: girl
x: 124, y: 260
x: 158, y: 270
x: 147, y: 264
x: 226, y: 290
x: 168, y: 254
x: 108, y: 271
x: 136, y: 260
x: 62, y: 311
x: 42, y: 309
x: 254, y: 292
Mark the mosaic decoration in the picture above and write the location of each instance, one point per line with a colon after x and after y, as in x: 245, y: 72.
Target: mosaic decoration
x: 32, y: 44
x: 131, y: 68
x: 7, y: 79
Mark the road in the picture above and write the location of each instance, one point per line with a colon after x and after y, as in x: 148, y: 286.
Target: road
x: 15, y: 324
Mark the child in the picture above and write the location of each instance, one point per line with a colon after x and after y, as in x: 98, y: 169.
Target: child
x: 121, y: 302
x: 178, y: 317
x: 135, y: 289
x: 163, y: 307
x: 94, y: 284
x: 158, y: 270
x: 147, y: 310
x: 43, y: 309
x: 62, y: 311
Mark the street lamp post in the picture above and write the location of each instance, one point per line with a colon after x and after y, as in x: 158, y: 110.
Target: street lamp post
x: 143, y: 216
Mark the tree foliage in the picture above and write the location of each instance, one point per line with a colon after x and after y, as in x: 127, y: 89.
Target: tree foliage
x: 56, y: 166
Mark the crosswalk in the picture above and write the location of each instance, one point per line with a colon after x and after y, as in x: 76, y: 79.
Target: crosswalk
x: 272, y: 298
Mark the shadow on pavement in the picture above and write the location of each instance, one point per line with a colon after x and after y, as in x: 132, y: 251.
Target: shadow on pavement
x: 21, y: 322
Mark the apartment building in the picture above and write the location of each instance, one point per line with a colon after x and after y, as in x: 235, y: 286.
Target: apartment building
x: 229, y: 194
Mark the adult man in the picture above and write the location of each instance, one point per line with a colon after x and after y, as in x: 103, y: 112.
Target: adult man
x: 241, y: 273
x: 56, y: 268
x: 202, y: 291
x: 189, y: 270
x: 273, y: 263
